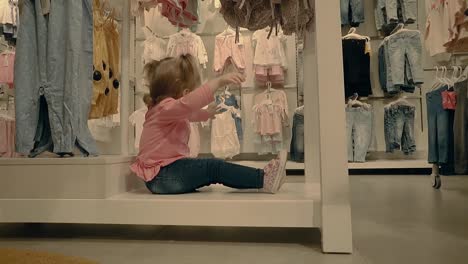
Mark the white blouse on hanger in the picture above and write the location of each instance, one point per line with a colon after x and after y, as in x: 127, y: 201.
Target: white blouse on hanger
x: 224, y: 139
x: 9, y: 12
x: 186, y: 42
x: 138, y: 119
x: 269, y: 52
x: 154, y: 48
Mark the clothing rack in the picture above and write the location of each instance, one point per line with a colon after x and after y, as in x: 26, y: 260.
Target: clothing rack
x: 435, y: 175
x: 388, y: 97
x: 154, y: 34
x: 202, y: 34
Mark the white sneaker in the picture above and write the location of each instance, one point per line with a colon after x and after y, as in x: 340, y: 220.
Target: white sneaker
x: 275, y: 172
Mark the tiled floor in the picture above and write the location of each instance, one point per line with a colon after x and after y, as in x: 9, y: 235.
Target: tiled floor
x: 396, y: 219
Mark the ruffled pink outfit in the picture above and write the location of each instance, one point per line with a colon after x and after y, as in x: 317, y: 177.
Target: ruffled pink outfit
x: 7, y: 66
x: 271, y: 112
x: 166, y: 131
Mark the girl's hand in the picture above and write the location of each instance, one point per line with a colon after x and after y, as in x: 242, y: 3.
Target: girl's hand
x: 213, y: 110
x: 231, y: 78
x: 225, y: 80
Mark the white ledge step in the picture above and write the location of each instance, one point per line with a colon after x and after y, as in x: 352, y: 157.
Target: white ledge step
x: 297, y: 205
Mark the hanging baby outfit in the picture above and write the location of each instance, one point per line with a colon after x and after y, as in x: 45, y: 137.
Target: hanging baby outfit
x: 53, y: 103
x: 224, y: 139
x: 154, y: 49
x: 106, y: 66
x: 9, y: 20
x: 270, y: 58
x: 227, y: 51
x: 7, y: 66
x: 271, y: 114
x: 182, y: 13
x: 186, y: 42
x: 137, y: 119
x: 230, y: 100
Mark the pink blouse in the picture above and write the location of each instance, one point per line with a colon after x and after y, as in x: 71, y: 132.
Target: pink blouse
x: 166, y: 131
x: 271, y: 112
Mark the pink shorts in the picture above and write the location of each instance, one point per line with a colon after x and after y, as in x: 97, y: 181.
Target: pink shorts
x: 273, y: 74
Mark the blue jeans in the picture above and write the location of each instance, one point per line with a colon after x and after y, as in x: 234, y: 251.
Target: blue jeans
x: 461, y: 129
x: 399, y: 128
x: 352, y: 12
x: 297, y: 141
x: 359, y: 133
x: 54, y: 60
x: 407, y: 8
x: 188, y: 175
x: 440, y: 129
x: 404, y: 53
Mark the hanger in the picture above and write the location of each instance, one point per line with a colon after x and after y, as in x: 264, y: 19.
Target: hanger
x: 154, y: 34
x: 226, y: 91
x: 453, y: 79
x: 402, y: 100
x: 353, y: 35
x: 185, y: 31
x: 399, y: 28
x: 228, y: 31
x: 355, y: 103
x: 299, y: 110
x: 268, y: 91
x: 223, y: 105
x: 437, y: 80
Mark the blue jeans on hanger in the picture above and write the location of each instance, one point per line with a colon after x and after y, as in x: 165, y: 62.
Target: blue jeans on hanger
x: 359, y: 133
x: 408, y: 10
x: 461, y: 129
x: 440, y: 124
x: 399, y: 128
x: 188, y: 175
x: 404, y: 54
x: 352, y: 12
x: 297, y: 140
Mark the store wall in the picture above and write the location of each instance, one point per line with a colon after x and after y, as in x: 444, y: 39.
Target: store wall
x: 212, y: 23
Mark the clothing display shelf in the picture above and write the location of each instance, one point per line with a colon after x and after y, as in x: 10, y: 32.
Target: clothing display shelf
x: 378, y: 159
x: 436, y: 179
x: 102, y: 190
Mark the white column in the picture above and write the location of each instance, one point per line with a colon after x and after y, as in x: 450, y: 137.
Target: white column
x: 125, y: 82
x: 325, y: 108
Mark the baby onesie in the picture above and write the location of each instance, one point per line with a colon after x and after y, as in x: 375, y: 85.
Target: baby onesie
x: 224, y: 140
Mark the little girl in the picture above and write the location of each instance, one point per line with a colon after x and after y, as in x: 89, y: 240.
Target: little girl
x: 173, y: 102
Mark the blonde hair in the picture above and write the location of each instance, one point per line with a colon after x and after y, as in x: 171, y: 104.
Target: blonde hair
x: 170, y: 77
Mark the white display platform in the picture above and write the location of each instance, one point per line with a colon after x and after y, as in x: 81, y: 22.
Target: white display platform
x: 291, y: 165
x: 65, y: 178
x: 297, y: 205
x: 391, y: 164
x: 369, y: 165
